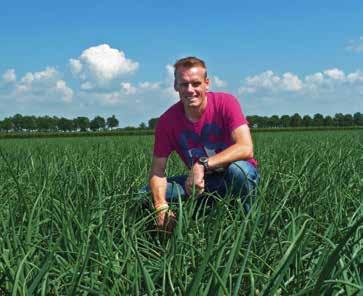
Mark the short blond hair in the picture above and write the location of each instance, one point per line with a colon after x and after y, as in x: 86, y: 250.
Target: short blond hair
x: 189, y: 62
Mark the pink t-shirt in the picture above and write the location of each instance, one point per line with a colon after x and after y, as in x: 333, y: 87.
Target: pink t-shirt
x: 206, y: 137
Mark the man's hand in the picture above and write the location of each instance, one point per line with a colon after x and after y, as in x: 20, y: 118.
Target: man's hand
x: 196, y: 177
x: 165, y: 219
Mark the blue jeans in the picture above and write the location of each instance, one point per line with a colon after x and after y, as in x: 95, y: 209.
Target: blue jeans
x: 240, y: 179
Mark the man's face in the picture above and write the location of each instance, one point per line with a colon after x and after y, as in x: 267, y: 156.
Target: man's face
x: 192, y: 86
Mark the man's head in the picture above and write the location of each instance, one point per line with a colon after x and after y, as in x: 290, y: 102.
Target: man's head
x: 191, y: 81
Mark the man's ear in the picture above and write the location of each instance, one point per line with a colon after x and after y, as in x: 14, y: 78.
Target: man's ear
x: 207, y: 82
x: 175, y: 85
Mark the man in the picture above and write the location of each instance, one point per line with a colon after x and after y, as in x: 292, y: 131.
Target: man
x: 210, y: 133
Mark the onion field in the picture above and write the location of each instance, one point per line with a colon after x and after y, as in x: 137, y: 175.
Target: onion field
x: 73, y: 223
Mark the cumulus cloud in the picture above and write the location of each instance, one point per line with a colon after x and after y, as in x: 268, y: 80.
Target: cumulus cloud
x: 41, y: 86
x: 355, y: 77
x: 335, y: 74
x: 101, y: 64
x: 327, y: 80
x: 269, y: 81
x: 9, y: 76
x: 37, y: 80
x: 356, y: 45
x: 65, y: 92
x: 149, y: 85
x: 128, y: 88
x: 169, y: 90
x: 76, y: 66
x: 219, y: 83
x: 326, y: 91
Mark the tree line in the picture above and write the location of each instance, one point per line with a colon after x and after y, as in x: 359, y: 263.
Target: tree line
x: 47, y: 123
x: 275, y: 121
x: 296, y: 120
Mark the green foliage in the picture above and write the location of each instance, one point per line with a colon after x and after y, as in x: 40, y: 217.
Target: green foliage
x: 72, y: 221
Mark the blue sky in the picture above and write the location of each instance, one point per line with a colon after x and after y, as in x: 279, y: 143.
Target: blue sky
x: 74, y: 58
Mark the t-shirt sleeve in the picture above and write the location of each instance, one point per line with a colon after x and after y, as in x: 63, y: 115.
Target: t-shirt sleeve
x: 162, y: 143
x: 233, y: 113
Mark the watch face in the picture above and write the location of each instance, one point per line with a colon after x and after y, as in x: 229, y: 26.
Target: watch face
x: 203, y: 159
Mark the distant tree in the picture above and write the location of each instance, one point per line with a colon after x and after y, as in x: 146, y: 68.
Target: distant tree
x: 46, y: 123
x: 358, y: 118
x: 82, y: 123
x: 7, y: 124
x: 285, y: 121
x: 328, y: 121
x: 142, y: 125
x: 295, y: 120
x: 129, y: 128
x: 65, y: 124
x: 18, y: 122
x: 264, y: 121
x: 348, y: 120
x: 253, y: 120
x: 307, y: 121
x: 152, y: 122
x: 97, y: 123
x: 112, y: 122
x: 318, y: 119
x: 29, y: 123
x: 273, y: 121
x: 339, y: 119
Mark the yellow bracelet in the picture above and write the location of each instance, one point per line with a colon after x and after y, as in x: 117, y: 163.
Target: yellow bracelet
x: 161, y: 208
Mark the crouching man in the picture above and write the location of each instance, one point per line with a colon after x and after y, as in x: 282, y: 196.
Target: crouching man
x: 210, y: 133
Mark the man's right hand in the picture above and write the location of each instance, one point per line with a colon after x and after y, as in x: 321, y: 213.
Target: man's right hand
x: 165, y: 220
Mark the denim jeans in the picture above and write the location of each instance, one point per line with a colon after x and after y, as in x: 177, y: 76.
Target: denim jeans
x: 239, y: 179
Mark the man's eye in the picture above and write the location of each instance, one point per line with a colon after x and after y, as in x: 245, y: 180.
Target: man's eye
x: 195, y: 84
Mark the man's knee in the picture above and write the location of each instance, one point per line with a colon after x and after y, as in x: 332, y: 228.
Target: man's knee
x: 243, y: 176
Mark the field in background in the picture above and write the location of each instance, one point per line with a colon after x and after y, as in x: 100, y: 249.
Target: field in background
x: 71, y: 221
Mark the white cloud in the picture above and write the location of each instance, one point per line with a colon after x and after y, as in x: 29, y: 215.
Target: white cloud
x: 37, y: 81
x: 327, y: 91
x: 65, y: 92
x: 325, y: 81
x: 314, y: 78
x: 355, y: 77
x: 9, y: 76
x: 269, y: 81
x: 76, y: 66
x: 39, y: 86
x: 335, y: 74
x: 356, y: 45
x: 149, y: 85
x: 87, y: 85
x: 246, y: 90
x: 128, y: 88
x: 219, y: 83
x: 291, y: 82
x: 169, y: 90
x: 101, y: 64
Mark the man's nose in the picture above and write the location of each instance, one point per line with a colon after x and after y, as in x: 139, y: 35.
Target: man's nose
x: 190, y: 88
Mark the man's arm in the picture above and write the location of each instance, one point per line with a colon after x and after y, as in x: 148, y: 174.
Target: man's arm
x: 242, y: 149
x: 157, y: 181
x: 165, y: 218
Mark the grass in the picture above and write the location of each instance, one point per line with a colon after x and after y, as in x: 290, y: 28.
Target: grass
x: 72, y: 222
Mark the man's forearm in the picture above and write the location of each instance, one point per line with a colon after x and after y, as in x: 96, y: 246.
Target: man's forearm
x: 158, y: 189
x: 233, y: 153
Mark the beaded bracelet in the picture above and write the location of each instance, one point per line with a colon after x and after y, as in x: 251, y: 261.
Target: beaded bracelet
x: 162, y: 208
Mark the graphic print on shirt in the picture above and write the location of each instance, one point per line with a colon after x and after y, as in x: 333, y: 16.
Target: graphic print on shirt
x: 208, y: 143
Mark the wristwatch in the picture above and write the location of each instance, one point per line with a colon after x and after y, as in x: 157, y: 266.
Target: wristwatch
x: 204, y: 161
